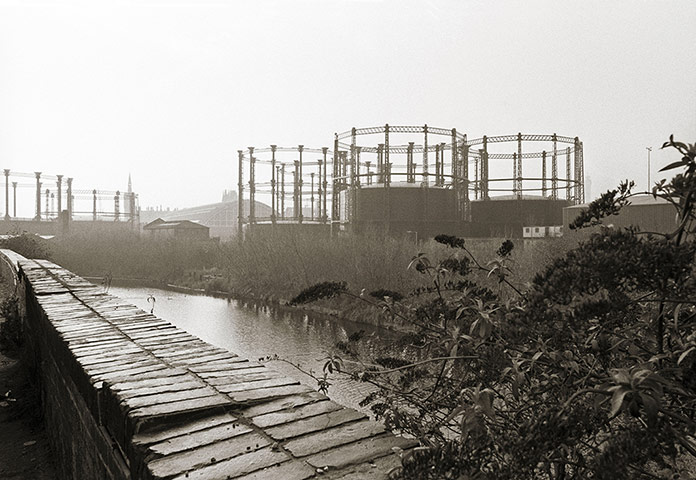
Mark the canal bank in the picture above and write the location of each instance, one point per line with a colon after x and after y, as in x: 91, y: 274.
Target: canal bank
x: 342, y: 308
x: 259, y: 331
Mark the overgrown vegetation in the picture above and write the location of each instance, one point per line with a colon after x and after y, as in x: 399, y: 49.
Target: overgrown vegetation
x: 589, y: 371
x: 11, y: 326
x: 27, y: 245
x: 128, y: 255
x: 273, y: 266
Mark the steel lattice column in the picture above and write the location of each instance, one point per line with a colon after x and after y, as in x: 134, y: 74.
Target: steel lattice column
x: 477, y: 167
x: 352, y: 157
x: 514, y: 175
x: 334, y: 179
x: 273, y: 184
x: 425, y: 155
x: 554, y: 169
x: 59, y: 184
x: 69, y: 200
x: 252, y: 186
x: 358, y: 151
x: 295, y: 196
x: 7, y: 194
x: 300, y: 182
x: 352, y: 163
x: 380, y: 163
x: 320, y: 190
x: 577, y: 157
x: 387, y: 165
x: 484, y: 169
x: 311, y: 196
x: 410, y: 177
x: 437, y: 165
x: 543, y: 173
x: 518, y: 179
x: 14, y: 199
x: 38, y: 196
x: 117, y: 206
x: 277, y: 199
x: 582, y: 174
x: 464, y: 174
x: 282, y: 190
x: 94, y: 205
x: 454, y: 154
x: 325, y: 185
x: 569, y: 176
x: 240, y: 201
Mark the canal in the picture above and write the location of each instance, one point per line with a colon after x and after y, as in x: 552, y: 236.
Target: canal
x: 254, y: 332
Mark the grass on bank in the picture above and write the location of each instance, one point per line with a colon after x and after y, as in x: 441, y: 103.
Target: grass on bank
x: 282, y: 264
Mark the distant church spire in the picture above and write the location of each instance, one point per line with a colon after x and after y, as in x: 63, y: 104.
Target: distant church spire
x: 130, y: 184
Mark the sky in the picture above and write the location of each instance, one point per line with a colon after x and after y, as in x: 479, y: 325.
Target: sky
x: 168, y: 91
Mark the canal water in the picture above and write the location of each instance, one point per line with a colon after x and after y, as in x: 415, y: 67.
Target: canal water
x: 254, y: 332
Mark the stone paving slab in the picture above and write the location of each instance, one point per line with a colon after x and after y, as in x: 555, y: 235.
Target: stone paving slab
x: 180, y: 408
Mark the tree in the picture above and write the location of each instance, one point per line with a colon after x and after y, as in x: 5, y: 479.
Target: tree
x: 590, y: 372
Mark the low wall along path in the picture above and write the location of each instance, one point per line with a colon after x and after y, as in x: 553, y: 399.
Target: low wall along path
x: 129, y: 396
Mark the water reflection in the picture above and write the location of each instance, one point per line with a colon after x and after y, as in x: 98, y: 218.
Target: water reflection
x: 254, y: 331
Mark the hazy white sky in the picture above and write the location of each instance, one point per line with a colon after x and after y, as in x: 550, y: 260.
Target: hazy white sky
x: 170, y: 90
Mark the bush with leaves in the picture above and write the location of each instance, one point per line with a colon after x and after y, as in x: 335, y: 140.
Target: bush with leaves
x: 589, y: 372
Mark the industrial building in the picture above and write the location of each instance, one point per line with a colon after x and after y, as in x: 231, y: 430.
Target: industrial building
x: 177, y: 230
x: 508, y: 216
x: 220, y: 218
x: 647, y: 213
x: 415, y: 180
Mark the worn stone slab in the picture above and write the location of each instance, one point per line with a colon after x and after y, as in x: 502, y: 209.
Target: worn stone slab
x: 227, y: 364
x: 97, y: 359
x: 186, y: 428
x: 212, y: 457
x: 182, y: 406
x: 194, y: 355
x: 161, y: 333
x: 163, y: 377
x: 324, y: 439
x: 256, y: 384
x: 237, y: 466
x: 151, y: 334
x: 143, y: 325
x: 376, y: 469
x: 287, y: 404
x: 166, y: 388
x: 200, y: 438
x: 231, y: 375
x: 123, y: 366
x: 168, y: 397
x: 246, y: 376
x: 265, y: 394
x: 87, y: 338
x: 183, y: 350
x: 163, y: 338
x: 200, y: 360
x: 358, y: 452
x: 293, y: 470
x: 297, y: 413
x: 314, y: 424
x: 140, y: 372
x: 112, y: 348
x: 97, y: 345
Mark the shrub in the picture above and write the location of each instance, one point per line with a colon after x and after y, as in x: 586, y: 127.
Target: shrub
x: 587, y: 372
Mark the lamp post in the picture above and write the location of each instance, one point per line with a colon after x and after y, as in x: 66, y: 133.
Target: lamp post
x: 649, y: 149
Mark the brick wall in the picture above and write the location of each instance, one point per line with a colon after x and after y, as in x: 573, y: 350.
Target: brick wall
x: 128, y: 395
